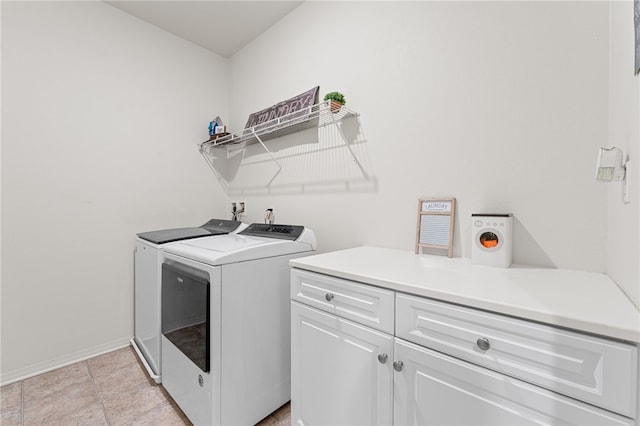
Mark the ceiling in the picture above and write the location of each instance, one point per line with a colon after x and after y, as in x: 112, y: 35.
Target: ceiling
x: 223, y: 27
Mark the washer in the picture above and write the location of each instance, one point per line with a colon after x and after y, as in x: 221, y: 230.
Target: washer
x: 147, y: 268
x: 492, y: 239
x: 226, y: 322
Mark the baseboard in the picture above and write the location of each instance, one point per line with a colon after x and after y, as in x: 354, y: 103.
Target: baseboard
x: 43, y: 367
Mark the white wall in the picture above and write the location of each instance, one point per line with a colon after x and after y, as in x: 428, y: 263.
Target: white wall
x: 623, y: 242
x: 101, y: 114
x: 500, y: 104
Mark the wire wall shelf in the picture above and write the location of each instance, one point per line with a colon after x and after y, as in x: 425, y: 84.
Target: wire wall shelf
x: 315, y: 116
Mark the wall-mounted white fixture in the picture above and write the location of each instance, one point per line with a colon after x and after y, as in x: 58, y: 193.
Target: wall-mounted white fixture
x: 612, y: 166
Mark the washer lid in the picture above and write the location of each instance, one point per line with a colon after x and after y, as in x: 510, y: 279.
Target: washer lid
x: 212, y: 227
x: 234, y: 248
x: 176, y: 234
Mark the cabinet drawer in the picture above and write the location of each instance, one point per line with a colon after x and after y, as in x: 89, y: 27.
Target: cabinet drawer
x: 594, y: 370
x: 361, y: 303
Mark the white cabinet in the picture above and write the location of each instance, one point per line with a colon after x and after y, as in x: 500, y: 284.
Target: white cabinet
x: 445, y: 364
x: 341, y: 371
x: 432, y: 388
x: 599, y: 371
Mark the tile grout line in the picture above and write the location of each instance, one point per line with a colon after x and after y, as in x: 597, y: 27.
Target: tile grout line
x: 95, y: 389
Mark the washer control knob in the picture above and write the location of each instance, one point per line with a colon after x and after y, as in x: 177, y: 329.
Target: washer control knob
x: 329, y: 297
x: 483, y: 343
x: 478, y: 223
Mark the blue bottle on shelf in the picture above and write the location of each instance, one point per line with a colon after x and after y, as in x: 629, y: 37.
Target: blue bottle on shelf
x: 212, y: 127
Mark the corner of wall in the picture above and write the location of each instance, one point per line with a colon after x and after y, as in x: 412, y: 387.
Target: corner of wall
x: 623, y: 225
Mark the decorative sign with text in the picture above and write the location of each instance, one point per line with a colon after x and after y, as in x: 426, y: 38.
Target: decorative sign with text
x: 436, y: 206
x: 300, y: 103
x: 435, y: 224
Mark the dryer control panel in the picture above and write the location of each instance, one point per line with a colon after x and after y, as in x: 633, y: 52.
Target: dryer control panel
x: 284, y: 232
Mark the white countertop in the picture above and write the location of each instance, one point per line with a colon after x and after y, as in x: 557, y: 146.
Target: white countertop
x: 583, y: 301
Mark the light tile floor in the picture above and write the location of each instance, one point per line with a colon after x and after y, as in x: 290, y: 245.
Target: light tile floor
x: 111, y: 389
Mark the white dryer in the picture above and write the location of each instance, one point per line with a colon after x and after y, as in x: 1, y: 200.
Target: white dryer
x: 147, y: 269
x: 226, y: 357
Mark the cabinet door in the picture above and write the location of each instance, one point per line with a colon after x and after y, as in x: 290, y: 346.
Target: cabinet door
x: 341, y: 371
x: 436, y: 389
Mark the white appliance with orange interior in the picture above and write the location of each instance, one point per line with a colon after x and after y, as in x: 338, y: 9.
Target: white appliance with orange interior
x: 492, y: 239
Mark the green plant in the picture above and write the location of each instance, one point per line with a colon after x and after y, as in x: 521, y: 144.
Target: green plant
x: 335, y: 96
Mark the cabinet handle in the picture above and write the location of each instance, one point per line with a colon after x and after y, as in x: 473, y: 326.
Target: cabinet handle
x: 329, y: 297
x: 483, y: 343
x: 383, y: 358
x: 398, y: 365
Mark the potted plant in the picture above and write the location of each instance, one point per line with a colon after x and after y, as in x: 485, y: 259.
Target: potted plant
x: 337, y: 100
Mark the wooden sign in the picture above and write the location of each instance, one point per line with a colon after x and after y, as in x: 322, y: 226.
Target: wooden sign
x: 435, y: 224
x: 297, y: 103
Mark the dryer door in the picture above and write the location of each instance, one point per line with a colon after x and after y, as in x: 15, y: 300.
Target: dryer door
x: 185, y: 311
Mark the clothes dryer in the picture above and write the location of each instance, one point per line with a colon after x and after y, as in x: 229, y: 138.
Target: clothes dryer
x: 147, y: 268
x: 226, y: 357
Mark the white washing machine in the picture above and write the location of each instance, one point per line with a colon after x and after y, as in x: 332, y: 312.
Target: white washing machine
x: 492, y: 239
x: 147, y: 269
x: 226, y: 350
